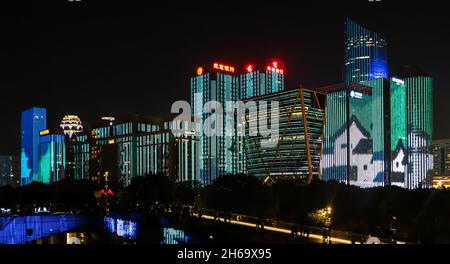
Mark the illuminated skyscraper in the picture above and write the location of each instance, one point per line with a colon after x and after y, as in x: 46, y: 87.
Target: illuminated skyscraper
x: 219, y: 153
x: 52, y: 157
x: 389, y: 132
x: 33, y: 121
x: 347, y: 157
x: 365, y: 54
x: 374, y: 151
x: 118, y: 149
x: 254, y: 82
x: 71, y: 125
x: 296, y: 151
x: 419, y: 91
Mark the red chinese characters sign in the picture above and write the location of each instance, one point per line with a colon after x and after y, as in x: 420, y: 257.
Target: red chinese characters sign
x: 273, y: 67
x: 223, y: 67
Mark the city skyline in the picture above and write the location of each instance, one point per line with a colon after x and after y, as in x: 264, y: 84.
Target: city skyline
x: 83, y: 74
x: 209, y: 123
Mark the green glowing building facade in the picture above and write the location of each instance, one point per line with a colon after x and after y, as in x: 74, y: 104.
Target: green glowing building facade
x: 419, y: 91
x: 365, y: 135
x: 52, y: 157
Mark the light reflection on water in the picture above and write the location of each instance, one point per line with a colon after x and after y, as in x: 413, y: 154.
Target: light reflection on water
x: 73, y: 229
x: 173, y: 236
x: 122, y: 228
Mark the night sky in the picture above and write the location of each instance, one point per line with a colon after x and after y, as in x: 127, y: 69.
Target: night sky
x: 95, y: 58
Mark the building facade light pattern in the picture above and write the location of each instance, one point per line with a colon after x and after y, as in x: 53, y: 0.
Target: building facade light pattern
x: 33, y: 121
x: 71, y: 125
x: 365, y: 54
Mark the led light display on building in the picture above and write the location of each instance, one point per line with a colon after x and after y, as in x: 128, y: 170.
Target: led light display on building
x: 374, y: 152
x: 419, y: 91
x: 347, y: 157
x: 33, y: 121
x: 52, y: 158
x: 71, y: 125
x: 218, y: 155
x: 365, y: 54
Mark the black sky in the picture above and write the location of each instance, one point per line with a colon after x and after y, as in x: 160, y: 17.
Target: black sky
x: 95, y: 58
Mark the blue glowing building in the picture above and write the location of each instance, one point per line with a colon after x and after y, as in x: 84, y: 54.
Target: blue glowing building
x: 365, y: 54
x: 33, y: 121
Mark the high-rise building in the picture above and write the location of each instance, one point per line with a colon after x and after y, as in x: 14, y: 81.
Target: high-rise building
x: 10, y: 171
x: 256, y: 82
x: 419, y: 94
x: 296, y: 149
x: 365, y: 54
x: 33, y: 121
x: 52, y: 157
x: 365, y: 135
x: 80, y: 154
x: 219, y: 150
x: 118, y: 149
x: 389, y: 131
x: 440, y: 150
x: 347, y: 157
x: 71, y: 125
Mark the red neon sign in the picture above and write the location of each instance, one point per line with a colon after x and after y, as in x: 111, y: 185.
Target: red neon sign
x: 274, y: 68
x: 223, y: 67
x: 199, y: 70
x: 249, y: 68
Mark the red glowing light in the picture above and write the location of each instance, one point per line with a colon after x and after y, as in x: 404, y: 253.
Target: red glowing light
x: 274, y: 67
x: 223, y: 67
x: 110, y: 192
x: 249, y: 68
x: 199, y: 71
x: 275, y: 64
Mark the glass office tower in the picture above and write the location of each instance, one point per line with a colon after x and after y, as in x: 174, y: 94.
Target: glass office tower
x: 365, y: 54
x: 33, y: 121
x: 52, y: 157
x: 118, y: 149
x: 374, y: 152
x: 80, y: 146
x: 296, y: 154
x: 347, y: 157
x: 219, y: 154
x: 389, y: 131
x: 254, y: 82
x: 419, y: 91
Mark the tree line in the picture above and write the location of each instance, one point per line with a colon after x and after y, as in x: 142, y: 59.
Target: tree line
x: 421, y: 215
